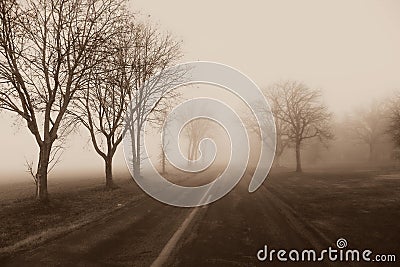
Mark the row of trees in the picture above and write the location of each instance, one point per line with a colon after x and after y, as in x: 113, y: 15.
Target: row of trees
x: 393, y: 116
x: 376, y: 124
x: 369, y: 125
x: 300, y: 115
x: 65, y: 63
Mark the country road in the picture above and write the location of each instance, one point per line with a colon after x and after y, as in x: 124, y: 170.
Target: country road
x: 146, y: 232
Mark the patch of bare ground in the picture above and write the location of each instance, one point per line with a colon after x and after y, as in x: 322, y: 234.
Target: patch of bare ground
x: 361, y: 207
x: 25, y: 223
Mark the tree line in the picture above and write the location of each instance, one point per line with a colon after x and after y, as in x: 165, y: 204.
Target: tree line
x: 301, y: 118
x: 65, y: 63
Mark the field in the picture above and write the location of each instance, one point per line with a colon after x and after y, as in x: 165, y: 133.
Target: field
x: 26, y: 223
x: 363, y: 207
x: 309, y: 210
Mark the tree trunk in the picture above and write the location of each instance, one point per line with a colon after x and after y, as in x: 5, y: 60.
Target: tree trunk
x: 189, y: 152
x: 41, y: 174
x: 133, y: 147
x: 298, y: 158
x: 163, y: 159
x: 109, y: 176
x: 371, y: 153
x: 195, y: 151
x: 136, y: 168
x: 278, y: 153
x: 277, y: 161
x: 192, y: 158
x: 136, y: 165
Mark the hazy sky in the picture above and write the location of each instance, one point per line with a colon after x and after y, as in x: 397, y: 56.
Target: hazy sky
x: 349, y: 49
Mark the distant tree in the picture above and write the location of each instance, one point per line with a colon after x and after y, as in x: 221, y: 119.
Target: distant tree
x: 394, y: 120
x: 281, y: 126
x: 195, y: 131
x: 160, y: 118
x: 368, y: 125
x: 47, y: 49
x: 282, y: 141
x: 164, y: 144
x: 301, y: 114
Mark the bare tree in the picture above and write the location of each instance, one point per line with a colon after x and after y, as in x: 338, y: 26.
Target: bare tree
x: 282, y: 140
x: 195, y: 131
x: 101, y: 106
x: 154, y: 53
x: 164, y: 145
x: 46, y: 51
x: 300, y: 109
x: 368, y: 126
x: 159, y: 120
x: 394, y: 120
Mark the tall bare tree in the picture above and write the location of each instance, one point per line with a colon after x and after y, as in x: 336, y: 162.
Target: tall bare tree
x: 154, y: 53
x: 301, y: 110
x: 160, y: 118
x: 47, y: 48
x: 282, y: 140
x: 164, y: 143
x: 101, y: 106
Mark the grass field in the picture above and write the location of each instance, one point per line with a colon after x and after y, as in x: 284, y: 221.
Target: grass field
x: 25, y: 223
x: 360, y: 206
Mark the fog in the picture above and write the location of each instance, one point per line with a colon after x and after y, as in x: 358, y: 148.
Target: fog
x: 348, y: 49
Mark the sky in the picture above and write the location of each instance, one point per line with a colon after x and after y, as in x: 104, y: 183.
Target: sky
x: 348, y: 49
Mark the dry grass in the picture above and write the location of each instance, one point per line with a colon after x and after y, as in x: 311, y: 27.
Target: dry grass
x: 25, y: 222
x: 363, y: 207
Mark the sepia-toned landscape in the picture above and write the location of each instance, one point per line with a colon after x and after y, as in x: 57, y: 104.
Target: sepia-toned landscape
x: 95, y: 97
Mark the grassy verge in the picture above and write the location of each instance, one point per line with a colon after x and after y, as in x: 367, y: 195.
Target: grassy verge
x: 25, y: 223
x: 362, y: 207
